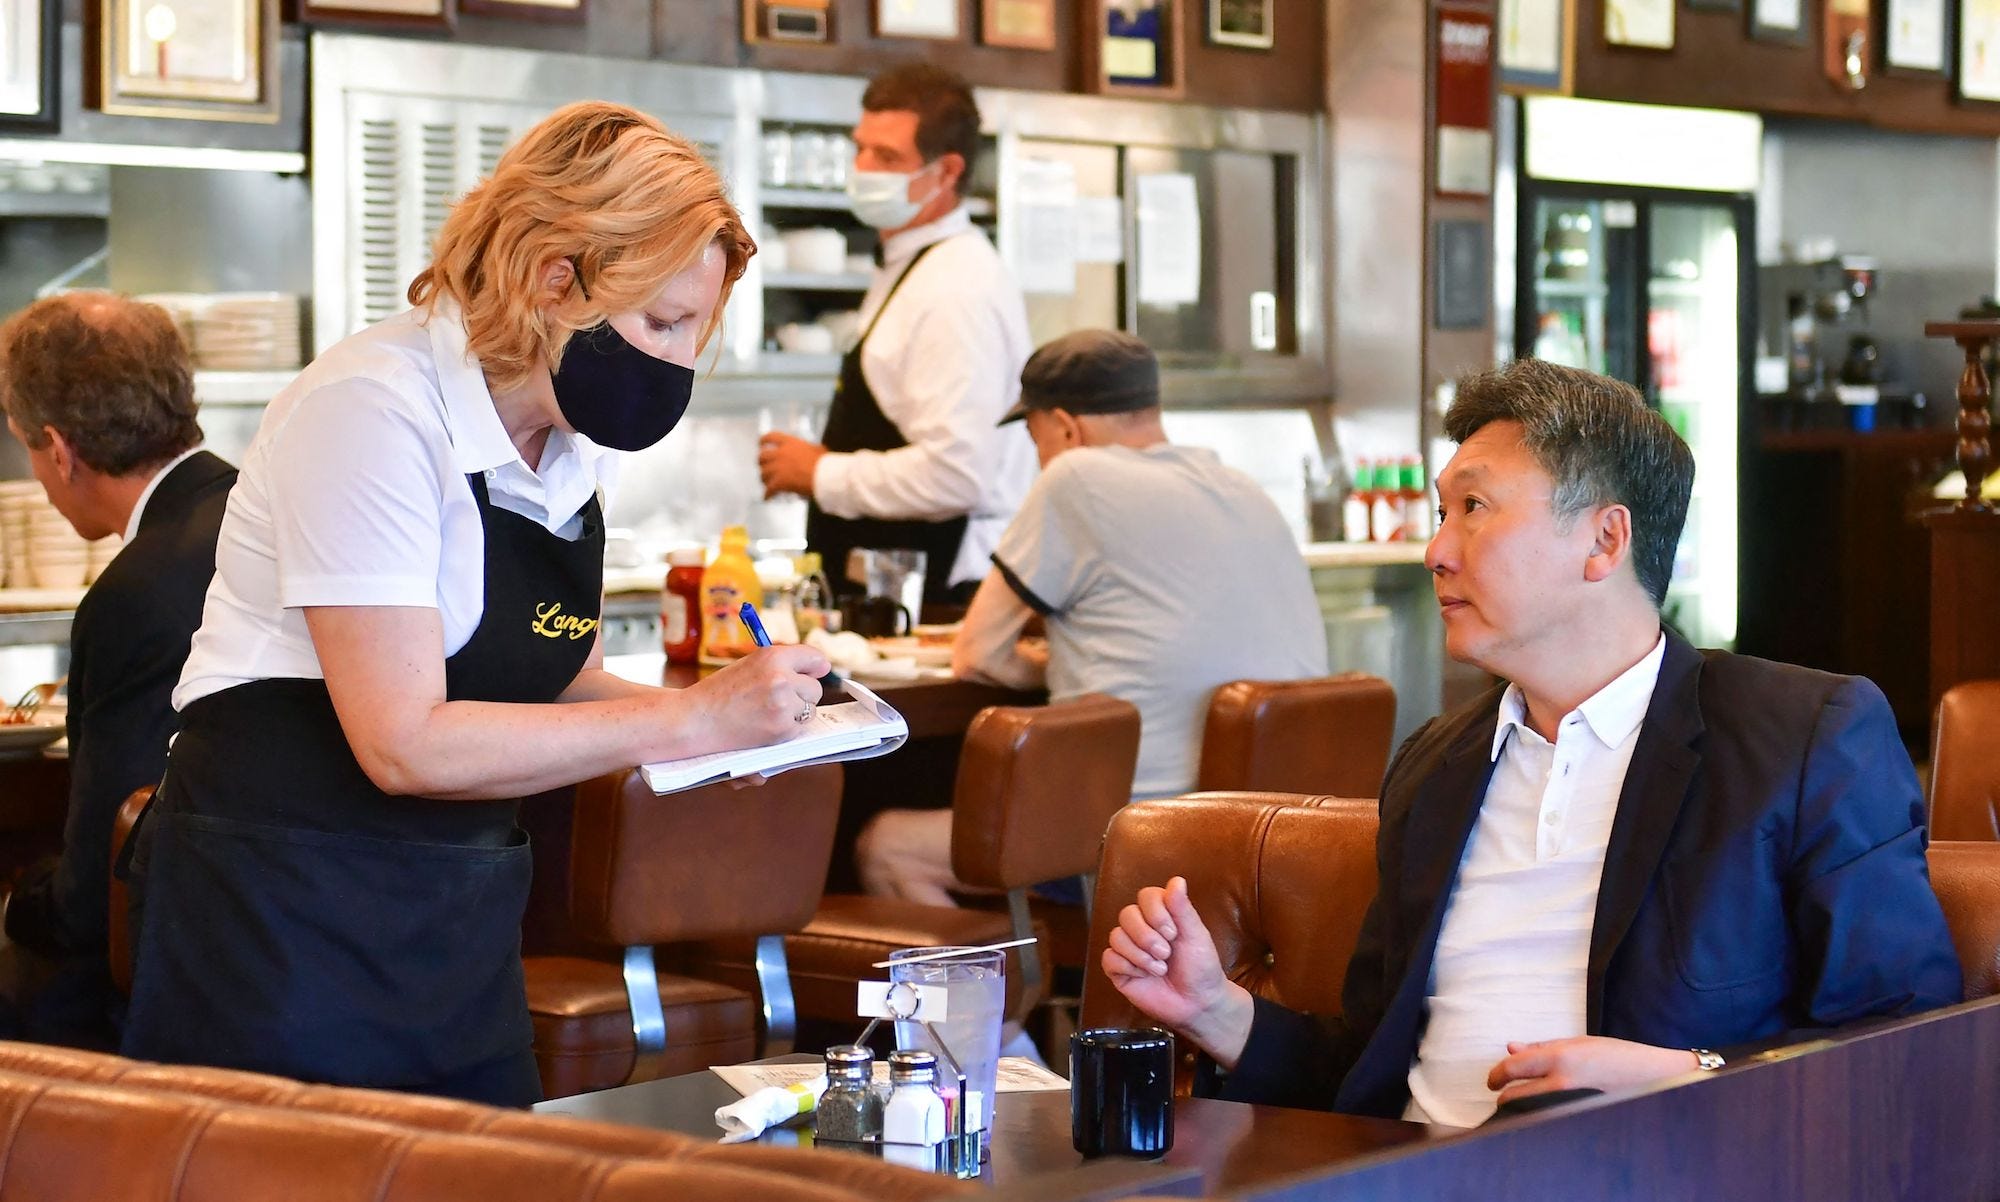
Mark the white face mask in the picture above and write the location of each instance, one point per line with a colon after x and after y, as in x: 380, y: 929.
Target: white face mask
x: 882, y: 198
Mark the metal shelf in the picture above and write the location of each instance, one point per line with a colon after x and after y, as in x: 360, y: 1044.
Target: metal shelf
x: 800, y: 281
x: 240, y: 387
x: 803, y: 198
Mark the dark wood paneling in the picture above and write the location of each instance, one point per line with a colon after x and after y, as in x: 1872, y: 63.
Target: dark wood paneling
x: 710, y: 33
x: 1715, y: 63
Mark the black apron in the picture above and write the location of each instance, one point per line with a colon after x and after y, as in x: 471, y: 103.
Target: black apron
x: 855, y: 422
x: 292, y: 918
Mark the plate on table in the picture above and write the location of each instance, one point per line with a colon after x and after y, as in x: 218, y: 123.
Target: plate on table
x: 926, y: 655
x: 23, y: 738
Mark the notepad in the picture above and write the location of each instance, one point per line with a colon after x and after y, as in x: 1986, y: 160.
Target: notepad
x: 860, y: 729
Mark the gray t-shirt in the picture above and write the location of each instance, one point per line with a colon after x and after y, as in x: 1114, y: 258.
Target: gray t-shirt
x: 1162, y: 574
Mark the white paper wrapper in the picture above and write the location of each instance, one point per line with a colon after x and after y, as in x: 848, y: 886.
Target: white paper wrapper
x: 750, y: 1117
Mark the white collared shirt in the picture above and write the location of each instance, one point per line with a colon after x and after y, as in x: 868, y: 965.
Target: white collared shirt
x: 146, y: 493
x: 354, y: 492
x: 944, y: 363
x: 1512, y: 960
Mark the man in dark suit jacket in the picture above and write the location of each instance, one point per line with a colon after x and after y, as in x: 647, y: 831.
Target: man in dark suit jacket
x: 1759, y: 829
x: 98, y: 389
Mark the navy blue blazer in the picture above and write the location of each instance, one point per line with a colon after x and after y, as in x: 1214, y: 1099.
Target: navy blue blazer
x: 1764, y: 881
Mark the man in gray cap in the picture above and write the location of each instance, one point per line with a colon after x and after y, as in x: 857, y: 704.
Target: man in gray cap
x: 1160, y: 573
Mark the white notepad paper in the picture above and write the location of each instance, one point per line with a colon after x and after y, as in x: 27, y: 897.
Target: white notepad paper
x: 852, y: 730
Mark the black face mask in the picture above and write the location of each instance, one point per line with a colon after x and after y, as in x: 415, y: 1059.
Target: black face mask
x: 617, y: 395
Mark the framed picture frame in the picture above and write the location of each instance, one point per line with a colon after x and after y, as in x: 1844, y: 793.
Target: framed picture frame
x: 932, y: 20
x: 1978, y: 74
x: 788, y: 22
x: 1639, y: 24
x: 1536, y: 45
x: 1133, y: 48
x: 1915, y: 36
x: 410, y: 14
x: 30, y: 35
x: 562, y: 12
x: 202, y: 60
x: 1245, y: 23
x: 1018, y: 24
x: 1778, y: 21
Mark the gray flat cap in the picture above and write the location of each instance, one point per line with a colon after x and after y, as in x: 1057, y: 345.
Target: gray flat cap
x: 1089, y: 371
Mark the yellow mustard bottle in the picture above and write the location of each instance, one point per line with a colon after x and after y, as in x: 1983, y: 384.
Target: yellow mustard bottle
x: 727, y: 582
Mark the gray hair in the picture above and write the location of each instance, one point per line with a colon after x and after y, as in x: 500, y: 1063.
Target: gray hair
x: 1599, y: 442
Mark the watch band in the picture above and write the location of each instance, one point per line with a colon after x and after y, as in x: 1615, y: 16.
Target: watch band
x: 1706, y: 1060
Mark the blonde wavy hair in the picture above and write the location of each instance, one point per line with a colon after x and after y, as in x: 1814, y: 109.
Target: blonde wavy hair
x: 627, y: 202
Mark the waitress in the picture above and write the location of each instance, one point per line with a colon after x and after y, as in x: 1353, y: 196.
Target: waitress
x: 402, y: 635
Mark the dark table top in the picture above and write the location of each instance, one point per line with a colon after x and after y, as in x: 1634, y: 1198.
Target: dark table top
x: 933, y: 706
x: 1221, y: 1146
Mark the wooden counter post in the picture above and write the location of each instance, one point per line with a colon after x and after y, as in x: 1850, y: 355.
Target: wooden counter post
x: 1965, y: 539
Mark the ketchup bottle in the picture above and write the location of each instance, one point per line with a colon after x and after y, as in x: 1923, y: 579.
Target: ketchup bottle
x: 680, y: 607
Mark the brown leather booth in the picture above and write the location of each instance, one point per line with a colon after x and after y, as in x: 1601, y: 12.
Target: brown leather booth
x: 1328, y: 735
x: 1966, y: 877
x: 645, y: 869
x: 1965, y: 763
x: 85, y: 1127
x: 1036, y: 787
x: 1282, y: 883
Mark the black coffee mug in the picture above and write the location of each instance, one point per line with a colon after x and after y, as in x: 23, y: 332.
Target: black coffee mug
x: 1121, y: 1091
x: 874, y: 617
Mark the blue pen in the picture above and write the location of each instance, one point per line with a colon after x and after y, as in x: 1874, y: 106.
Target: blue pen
x: 748, y: 613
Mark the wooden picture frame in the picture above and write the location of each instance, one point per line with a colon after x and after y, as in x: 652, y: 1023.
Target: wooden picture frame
x: 407, y: 14
x: 925, y: 20
x: 1639, y: 24
x: 1777, y: 21
x: 1122, y: 38
x: 788, y: 22
x: 553, y: 12
x: 1978, y: 39
x: 30, y: 69
x: 1246, y: 24
x: 1535, y: 45
x: 1018, y: 24
x: 207, y: 60
x: 1915, y: 37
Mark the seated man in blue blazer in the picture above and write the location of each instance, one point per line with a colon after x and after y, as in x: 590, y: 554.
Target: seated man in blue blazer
x: 1631, y: 861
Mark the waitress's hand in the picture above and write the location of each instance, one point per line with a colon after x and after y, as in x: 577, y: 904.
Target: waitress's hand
x: 787, y: 464
x: 758, y: 699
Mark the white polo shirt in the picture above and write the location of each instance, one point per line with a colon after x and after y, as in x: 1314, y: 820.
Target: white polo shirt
x: 1513, y: 955
x: 354, y: 492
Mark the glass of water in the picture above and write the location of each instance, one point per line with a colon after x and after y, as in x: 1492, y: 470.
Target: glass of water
x: 975, y: 986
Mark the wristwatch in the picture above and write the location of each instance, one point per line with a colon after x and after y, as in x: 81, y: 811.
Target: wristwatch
x: 1706, y: 1060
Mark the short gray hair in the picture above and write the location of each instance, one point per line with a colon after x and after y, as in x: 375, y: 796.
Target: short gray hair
x: 1600, y: 443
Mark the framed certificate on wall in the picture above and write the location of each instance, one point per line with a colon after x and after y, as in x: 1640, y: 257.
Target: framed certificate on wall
x: 1979, y: 50
x: 1913, y: 36
x: 1778, y: 21
x: 1534, y: 41
x: 1647, y: 24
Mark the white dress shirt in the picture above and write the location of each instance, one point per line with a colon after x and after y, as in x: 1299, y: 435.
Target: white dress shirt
x: 146, y: 493
x: 944, y: 363
x: 1513, y: 954
x: 354, y: 492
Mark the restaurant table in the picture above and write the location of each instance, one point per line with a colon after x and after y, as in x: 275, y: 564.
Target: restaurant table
x: 919, y: 775
x: 1219, y: 1147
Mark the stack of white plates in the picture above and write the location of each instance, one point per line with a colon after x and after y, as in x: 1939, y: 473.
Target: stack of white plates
x: 42, y: 550
x: 247, y: 331
x: 183, y: 307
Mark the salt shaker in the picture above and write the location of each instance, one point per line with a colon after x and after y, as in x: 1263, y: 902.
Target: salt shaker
x: 850, y: 1111
x: 913, y: 1121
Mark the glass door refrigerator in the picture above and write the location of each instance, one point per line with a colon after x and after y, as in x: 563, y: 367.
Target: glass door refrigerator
x: 1655, y: 287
